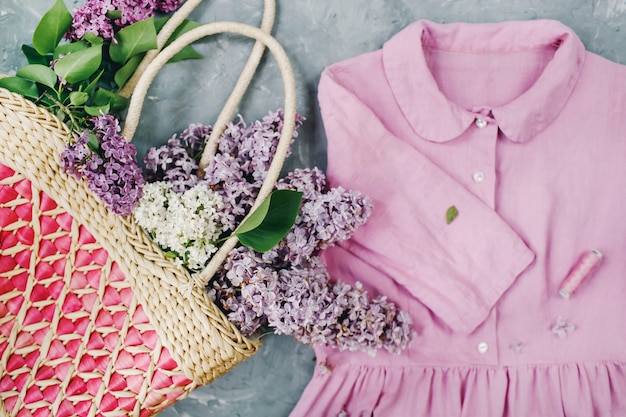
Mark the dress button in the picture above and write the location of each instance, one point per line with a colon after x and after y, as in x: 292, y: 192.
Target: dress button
x: 481, y: 123
x: 478, y: 176
x: 482, y: 347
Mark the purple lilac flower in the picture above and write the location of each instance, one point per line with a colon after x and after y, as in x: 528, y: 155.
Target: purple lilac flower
x: 306, y: 307
x: 242, y: 265
x: 176, y: 161
x: 304, y: 303
x: 92, y: 16
x: 134, y: 11
x: 239, y: 313
x: 74, y: 156
x: 337, y: 215
x: 399, y: 334
x: 311, y: 182
x: 245, y: 153
x: 243, y: 269
x: 364, y: 323
x: 112, y: 172
x: 167, y: 6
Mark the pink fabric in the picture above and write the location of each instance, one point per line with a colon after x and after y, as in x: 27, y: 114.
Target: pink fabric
x: 537, y: 185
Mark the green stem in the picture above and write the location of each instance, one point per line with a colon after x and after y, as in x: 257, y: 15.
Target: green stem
x: 64, y: 109
x: 224, y: 239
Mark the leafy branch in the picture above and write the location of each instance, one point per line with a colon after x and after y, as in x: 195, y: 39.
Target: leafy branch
x: 81, y: 79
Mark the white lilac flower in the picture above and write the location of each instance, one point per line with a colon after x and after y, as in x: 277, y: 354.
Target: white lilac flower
x: 186, y: 224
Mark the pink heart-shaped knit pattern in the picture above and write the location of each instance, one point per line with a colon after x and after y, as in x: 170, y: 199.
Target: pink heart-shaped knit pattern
x: 73, y: 340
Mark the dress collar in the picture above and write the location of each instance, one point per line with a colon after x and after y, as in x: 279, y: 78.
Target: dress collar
x: 437, y: 119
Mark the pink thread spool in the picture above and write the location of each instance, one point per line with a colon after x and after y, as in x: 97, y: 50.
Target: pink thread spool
x: 581, y: 271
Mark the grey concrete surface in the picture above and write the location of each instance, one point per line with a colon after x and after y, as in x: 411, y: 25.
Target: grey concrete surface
x: 315, y: 33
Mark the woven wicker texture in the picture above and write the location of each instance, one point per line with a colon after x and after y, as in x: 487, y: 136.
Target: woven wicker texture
x: 73, y: 341
x: 201, y: 341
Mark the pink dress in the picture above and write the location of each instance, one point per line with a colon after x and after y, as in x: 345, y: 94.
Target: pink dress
x: 524, y: 132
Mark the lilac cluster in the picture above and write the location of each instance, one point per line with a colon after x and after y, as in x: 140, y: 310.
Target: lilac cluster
x: 95, y: 15
x: 111, y: 170
x: 302, y: 301
x: 287, y: 288
x: 177, y: 161
x: 236, y: 172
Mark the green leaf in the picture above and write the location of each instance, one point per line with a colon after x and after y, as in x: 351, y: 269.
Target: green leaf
x: 93, y: 82
x: 93, y: 39
x: 79, y: 66
x: 185, y: 26
x: 68, y: 48
x: 93, y: 143
x: 171, y: 254
x: 123, y: 74
x: 78, y: 98
x: 51, y: 28
x: 46, y: 101
x: 38, y: 73
x: 61, y: 115
x: 116, y: 102
x: 255, y: 219
x: 114, y: 14
x: 451, y: 214
x: 133, y: 40
x: 187, y: 52
x: 97, y: 110
x: 21, y: 86
x: 33, y: 57
x: 271, y: 221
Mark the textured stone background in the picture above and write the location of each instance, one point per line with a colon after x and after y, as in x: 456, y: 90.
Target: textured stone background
x: 315, y: 33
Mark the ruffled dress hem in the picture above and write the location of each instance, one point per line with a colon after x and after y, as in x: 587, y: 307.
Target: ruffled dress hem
x: 588, y: 389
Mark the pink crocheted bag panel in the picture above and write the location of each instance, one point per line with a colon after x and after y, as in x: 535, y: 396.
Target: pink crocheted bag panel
x: 77, y: 343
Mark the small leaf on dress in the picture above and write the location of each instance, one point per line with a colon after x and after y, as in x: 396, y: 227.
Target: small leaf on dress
x: 451, y: 214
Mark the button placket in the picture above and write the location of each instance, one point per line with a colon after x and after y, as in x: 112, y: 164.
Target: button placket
x: 481, y: 162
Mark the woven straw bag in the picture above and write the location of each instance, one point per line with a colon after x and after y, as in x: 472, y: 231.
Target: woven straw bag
x: 94, y: 319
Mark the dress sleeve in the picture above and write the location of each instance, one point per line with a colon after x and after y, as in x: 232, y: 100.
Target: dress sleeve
x: 457, y: 270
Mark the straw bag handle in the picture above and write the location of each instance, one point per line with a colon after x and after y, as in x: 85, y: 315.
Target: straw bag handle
x: 202, y: 278
x: 269, y: 13
x: 177, y: 18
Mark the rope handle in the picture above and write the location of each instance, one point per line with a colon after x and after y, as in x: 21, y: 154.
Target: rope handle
x: 177, y: 18
x: 289, y: 85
